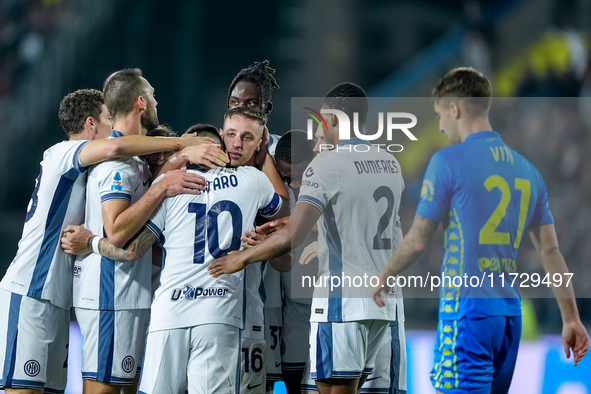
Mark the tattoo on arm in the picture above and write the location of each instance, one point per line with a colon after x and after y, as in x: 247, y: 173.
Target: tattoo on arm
x: 133, y: 251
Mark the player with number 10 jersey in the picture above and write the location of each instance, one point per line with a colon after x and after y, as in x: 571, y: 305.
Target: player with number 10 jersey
x: 191, y: 306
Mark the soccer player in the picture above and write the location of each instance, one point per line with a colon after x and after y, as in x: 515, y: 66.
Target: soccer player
x: 252, y: 88
x: 193, y: 341
x: 355, y: 236
x: 112, y: 299
x: 487, y: 196
x: 390, y: 366
x: 36, y: 292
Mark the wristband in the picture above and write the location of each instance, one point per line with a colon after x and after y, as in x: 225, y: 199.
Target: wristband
x: 93, y: 244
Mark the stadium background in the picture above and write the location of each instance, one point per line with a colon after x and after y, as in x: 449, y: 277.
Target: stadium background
x: 191, y: 50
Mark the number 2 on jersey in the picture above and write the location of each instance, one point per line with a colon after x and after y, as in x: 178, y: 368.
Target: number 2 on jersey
x: 206, y: 226
x: 488, y: 233
x: 378, y: 242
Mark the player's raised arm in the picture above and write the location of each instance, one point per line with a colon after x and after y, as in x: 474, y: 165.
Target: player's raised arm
x: 134, y: 145
x: 574, y: 335
x: 281, y: 242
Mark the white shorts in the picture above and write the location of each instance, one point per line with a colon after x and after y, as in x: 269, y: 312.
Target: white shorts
x: 34, y: 338
x: 253, y: 371
x: 275, y: 347
x: 112, y: 344
x: 345, y: 350
x: 389, y: 367
x: 201, y: 359
x: 295, y: 335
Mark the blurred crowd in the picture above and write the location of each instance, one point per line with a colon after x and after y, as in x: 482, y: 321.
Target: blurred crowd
x: 25, y: 27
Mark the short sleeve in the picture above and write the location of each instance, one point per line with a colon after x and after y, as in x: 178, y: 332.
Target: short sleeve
x: 542, y: 214
x: 157, y: 223
x: 269, y: 201
x: 320, y: 182
x: 67, y: 156
x: 116, y: 181
x: 437, y: 188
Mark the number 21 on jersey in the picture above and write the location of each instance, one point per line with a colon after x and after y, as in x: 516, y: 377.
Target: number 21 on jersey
x: 488, y: 233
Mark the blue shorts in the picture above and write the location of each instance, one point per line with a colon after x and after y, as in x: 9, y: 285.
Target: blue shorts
x: 476, y: 355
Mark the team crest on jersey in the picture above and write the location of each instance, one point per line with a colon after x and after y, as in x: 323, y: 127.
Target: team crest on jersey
x: 117, y: 182
x: 189, y: 292
x: 427, y: 190
x: 77, y: 271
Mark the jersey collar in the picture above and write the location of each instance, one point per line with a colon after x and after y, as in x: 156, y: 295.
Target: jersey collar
x: 115, y: 134
x: 483, y: 134
x: 354, y: 141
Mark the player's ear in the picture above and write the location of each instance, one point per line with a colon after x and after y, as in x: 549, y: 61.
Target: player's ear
x: 268, y: 107
x: 141, y: 102
x: 455, y: 110
x: 221, y: 132
x: 334, y: 121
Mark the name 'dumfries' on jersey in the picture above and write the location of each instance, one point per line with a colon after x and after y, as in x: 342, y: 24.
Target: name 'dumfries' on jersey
x: 376, y: 167
x: 192, y: 293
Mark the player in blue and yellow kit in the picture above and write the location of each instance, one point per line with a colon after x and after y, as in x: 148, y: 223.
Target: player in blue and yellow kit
x: 487, y: 196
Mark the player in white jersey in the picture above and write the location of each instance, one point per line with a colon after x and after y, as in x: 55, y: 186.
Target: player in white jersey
x: 252, y: 88
x: 195, y: 317
x: 112, y: 299
x: 356, y: 189
x: 36, y: 292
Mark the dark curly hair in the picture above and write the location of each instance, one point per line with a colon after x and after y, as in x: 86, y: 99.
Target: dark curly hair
x: 76, y: 107
x: 261, y: 75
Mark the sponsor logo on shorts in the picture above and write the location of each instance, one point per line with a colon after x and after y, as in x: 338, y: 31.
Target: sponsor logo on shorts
x: 32, y: 368
x: 256, y: 328
x: 249, y: 387
x: 319, y: 311
x: 77, y: 271
x: 192, y: 293
x: 370, y: 379
x: 127, y: 364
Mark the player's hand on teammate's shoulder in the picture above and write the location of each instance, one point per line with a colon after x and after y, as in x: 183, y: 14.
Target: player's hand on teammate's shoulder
x: 229, y: 264
x: 309, y: 253
x: 252, y: 239
x: 181, y: 182
x: 209, y: 155
x: 272, y: 226
x: 74, y: 239
x: 575, y: 337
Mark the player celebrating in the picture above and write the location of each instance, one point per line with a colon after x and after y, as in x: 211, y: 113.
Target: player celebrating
x: 196, y: 318
x: 252, y: 88
x: 36, y: 293
x: 486, y: 209
x: 352, y: 243
x: 112, y: 299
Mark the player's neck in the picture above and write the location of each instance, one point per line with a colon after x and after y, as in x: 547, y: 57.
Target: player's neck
x: 471, y: 126
x: 129, y: 125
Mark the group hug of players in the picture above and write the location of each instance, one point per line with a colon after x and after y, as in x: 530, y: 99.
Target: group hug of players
x: 156, y: 223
